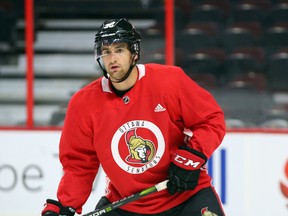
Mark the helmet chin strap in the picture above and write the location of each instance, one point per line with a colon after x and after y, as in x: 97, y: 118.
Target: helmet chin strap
x: 100, y: 62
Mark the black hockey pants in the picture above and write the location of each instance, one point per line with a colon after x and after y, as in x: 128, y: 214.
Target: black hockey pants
x: 205, y: 202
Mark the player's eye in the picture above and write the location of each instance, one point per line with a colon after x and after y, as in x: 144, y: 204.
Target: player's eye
x: 120, y: 50
x: 106, y: 52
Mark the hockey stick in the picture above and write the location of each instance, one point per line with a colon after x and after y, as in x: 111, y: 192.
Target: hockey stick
x: 158, y: 187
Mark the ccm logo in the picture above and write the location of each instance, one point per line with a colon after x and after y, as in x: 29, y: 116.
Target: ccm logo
x: 186, y: 162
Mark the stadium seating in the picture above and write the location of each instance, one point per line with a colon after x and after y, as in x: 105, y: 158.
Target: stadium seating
x: 247, y: 12
x: 277, y: 71
x: 244, y: 34
x: 197, y: 36
x: 206, y: 61
x: 244, y: 60
x: 278, y: 13
x: 210, y: 11
x: 248, y: 80
x: 275, y: 37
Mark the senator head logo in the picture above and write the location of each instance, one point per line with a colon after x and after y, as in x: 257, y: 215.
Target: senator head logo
x: 137, y: 146
x: 141, y: 150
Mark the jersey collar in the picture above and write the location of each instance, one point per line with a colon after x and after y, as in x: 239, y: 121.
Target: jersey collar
x: 105, y: 81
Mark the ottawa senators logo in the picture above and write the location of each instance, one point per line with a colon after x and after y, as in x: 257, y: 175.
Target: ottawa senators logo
x: 136, y: 153
x: 141, y: 150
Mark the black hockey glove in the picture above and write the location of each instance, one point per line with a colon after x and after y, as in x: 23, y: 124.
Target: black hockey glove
x: 184, y: 170
x: 102, y: 202
x: 55, y: 208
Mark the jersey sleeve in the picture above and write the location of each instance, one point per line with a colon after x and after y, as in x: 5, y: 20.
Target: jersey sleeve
x: 77, y: 156
x: 198, y: 111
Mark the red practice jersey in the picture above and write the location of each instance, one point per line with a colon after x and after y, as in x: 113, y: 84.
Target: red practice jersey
x: 133, y: 137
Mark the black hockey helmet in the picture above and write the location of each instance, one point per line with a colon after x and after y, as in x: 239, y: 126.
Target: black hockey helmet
x: 118, y: 31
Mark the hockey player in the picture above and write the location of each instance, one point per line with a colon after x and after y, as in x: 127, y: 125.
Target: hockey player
x: 143, y: 123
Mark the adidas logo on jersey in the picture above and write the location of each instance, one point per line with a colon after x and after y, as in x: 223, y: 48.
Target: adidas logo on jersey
x: 159, y: 108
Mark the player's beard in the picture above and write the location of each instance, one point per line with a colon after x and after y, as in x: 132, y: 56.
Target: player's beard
x: 119, y: 79
x: 116, y: 75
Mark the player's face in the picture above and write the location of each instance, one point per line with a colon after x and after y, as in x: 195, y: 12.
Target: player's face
x: 117, y: 60
x: 141, y: 152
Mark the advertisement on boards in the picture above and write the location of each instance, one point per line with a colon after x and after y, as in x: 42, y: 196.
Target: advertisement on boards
x: 249, y: 171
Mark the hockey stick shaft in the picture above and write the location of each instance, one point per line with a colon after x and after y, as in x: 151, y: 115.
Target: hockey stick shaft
x: 158, y: 187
